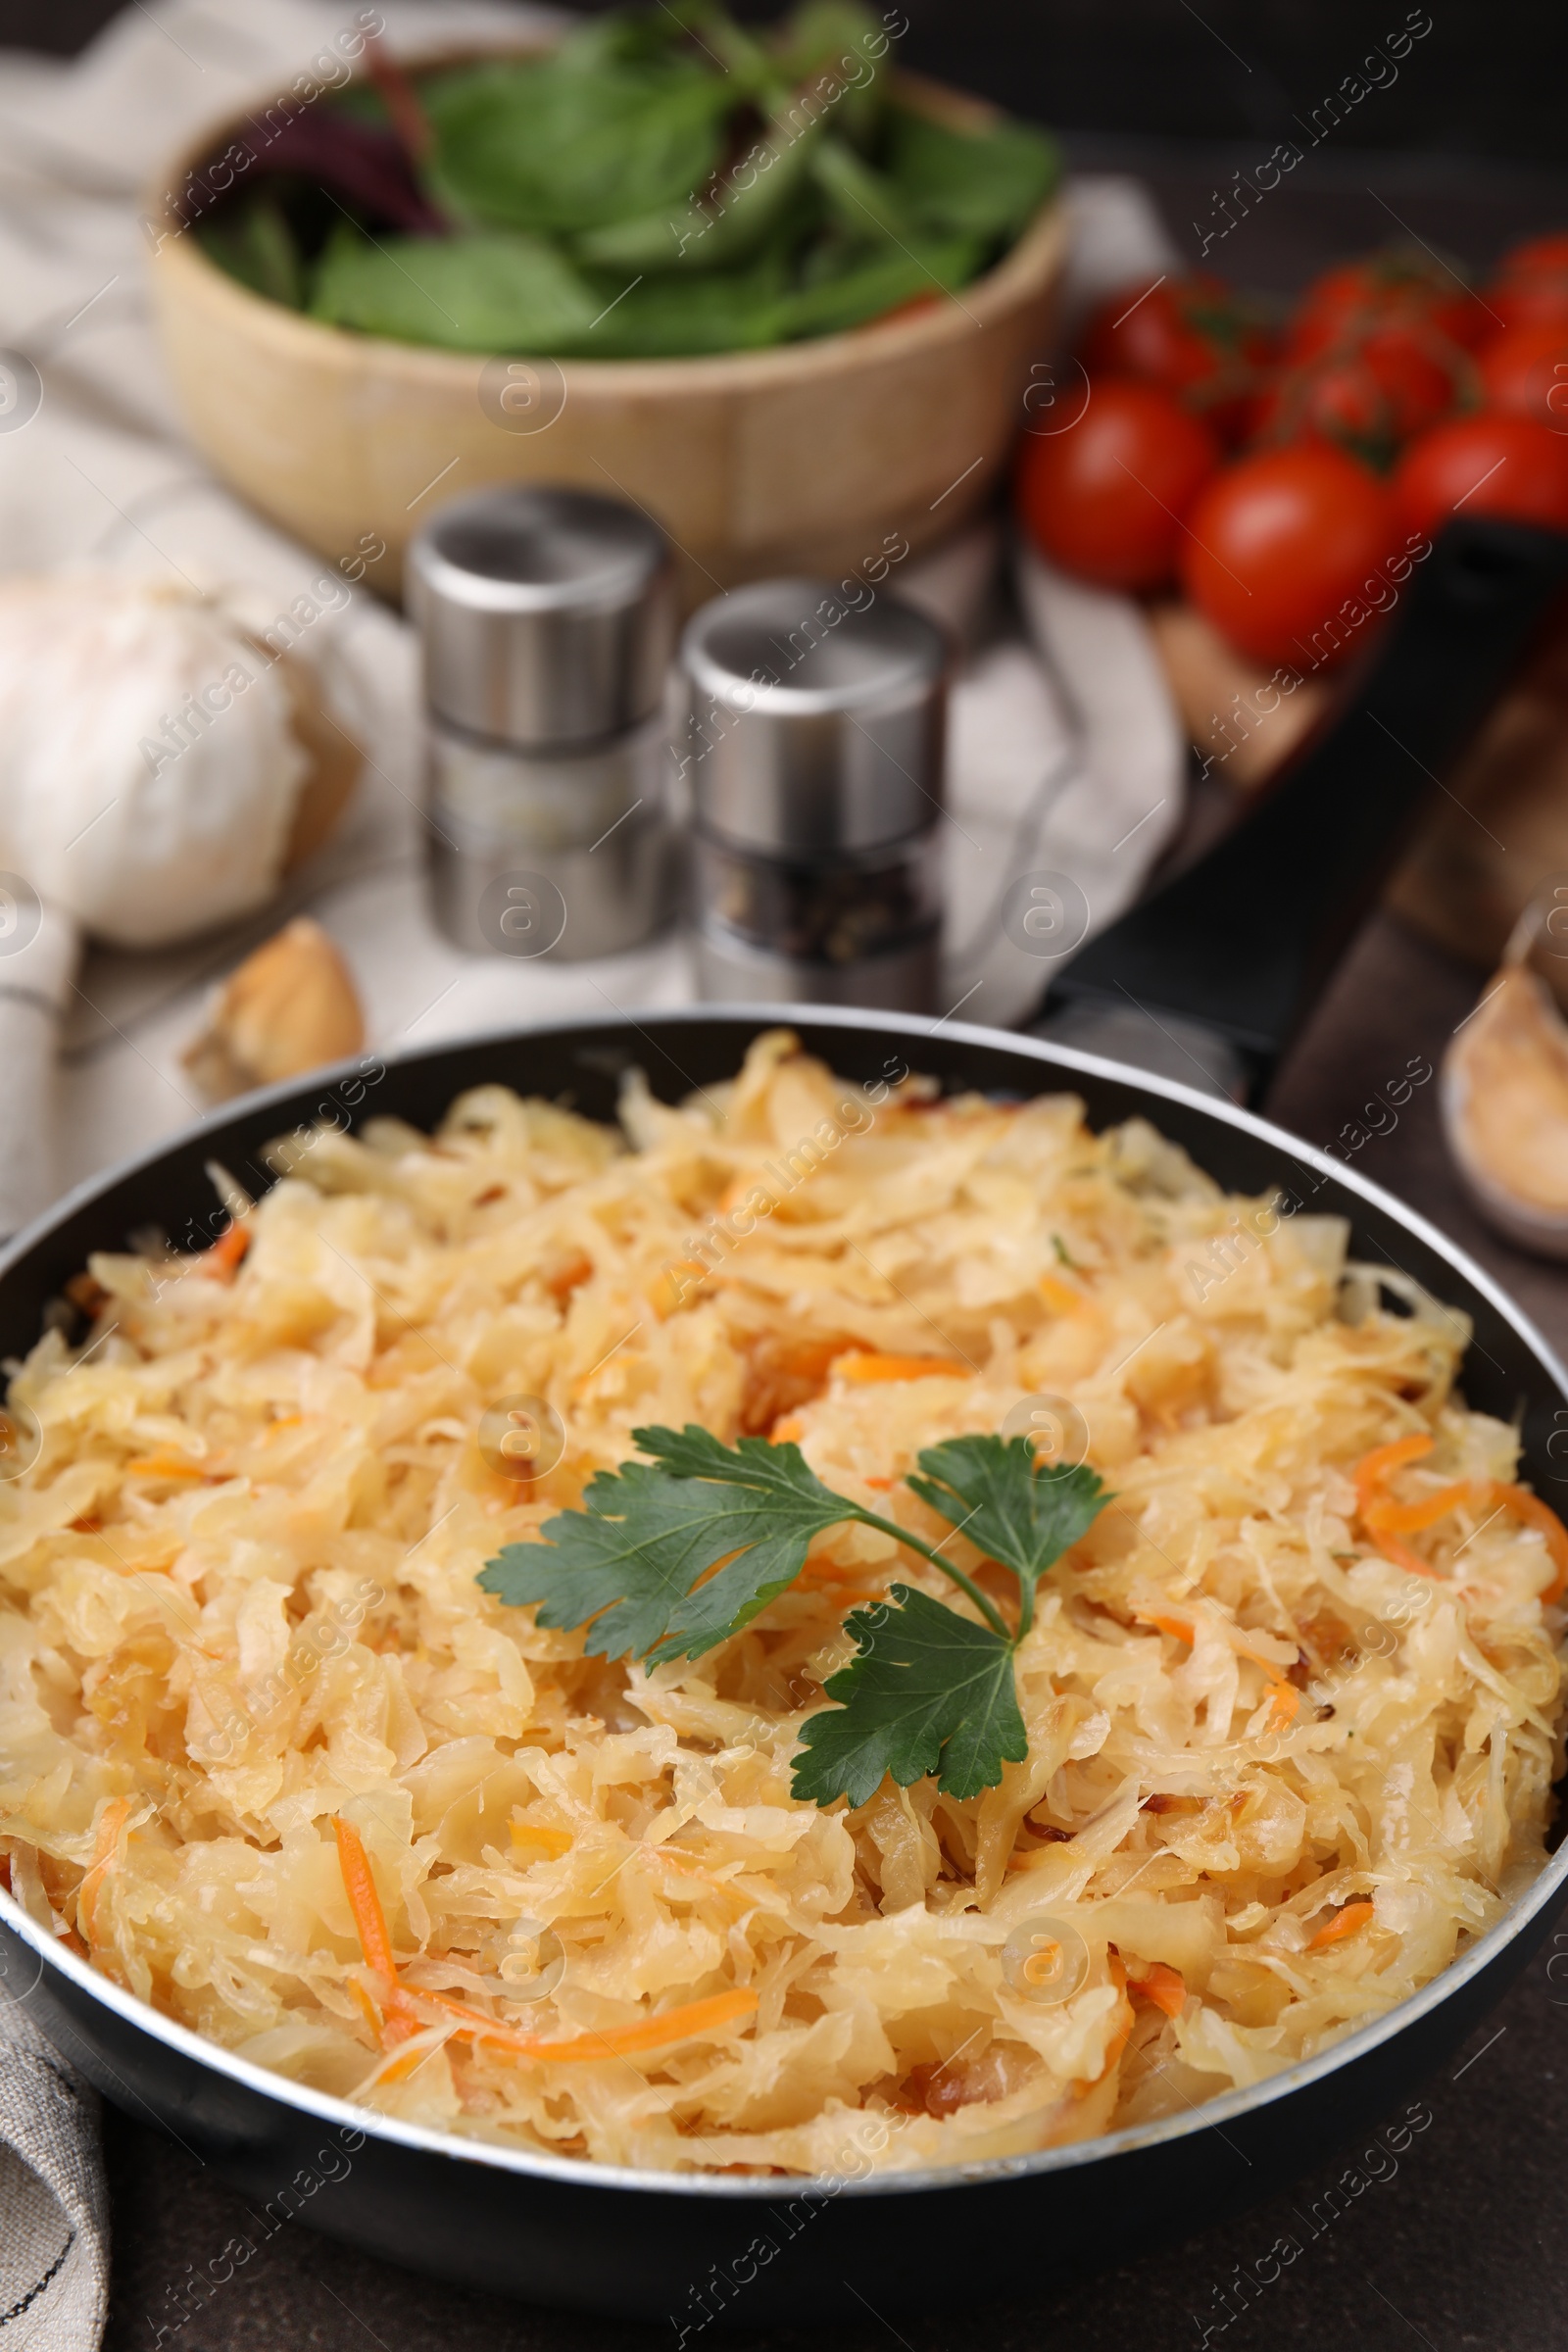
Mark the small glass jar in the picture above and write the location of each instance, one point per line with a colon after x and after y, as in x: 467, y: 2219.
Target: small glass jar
x: 547, y: 623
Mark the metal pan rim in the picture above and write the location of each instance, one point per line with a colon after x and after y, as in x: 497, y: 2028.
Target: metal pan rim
x: 1215, y: 2113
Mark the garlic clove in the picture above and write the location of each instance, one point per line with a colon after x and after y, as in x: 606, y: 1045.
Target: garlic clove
x: 1235, y: 714
x: 1506, y: 1111
x: 288, y: 1008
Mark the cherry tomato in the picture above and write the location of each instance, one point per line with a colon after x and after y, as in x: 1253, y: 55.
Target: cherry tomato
x: 1371, y: 391
x: 1537, y: 257
x: 1488, y: 465
x: 1531, y: 287
x: 1105, y: 497
x: 1282, y: 550
x: 1525, y: 372
x: 1193, y: 336
x: 910, y: 308
x: 1398, y: 283
x: 1521, y: 303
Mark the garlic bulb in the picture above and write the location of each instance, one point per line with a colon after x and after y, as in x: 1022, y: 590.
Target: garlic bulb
x: 1506, y: 1110
x: 288, y: 1008
x: 150, y: 768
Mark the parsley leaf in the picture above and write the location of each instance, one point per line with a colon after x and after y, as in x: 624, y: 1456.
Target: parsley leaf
x: 1010, y: 1507
x: 631, y: 1558
x: 693, y: 1452
x: 928, y: 1691
x: 671, y: 1557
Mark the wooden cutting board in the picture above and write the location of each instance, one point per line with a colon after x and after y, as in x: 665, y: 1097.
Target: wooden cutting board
x: 1501, y: 828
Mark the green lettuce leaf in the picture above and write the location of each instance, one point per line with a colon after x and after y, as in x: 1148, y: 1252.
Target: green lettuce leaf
x: 471, y: 293
x: 866, y: 286
x: 551, y: 146
x: 987, y: 184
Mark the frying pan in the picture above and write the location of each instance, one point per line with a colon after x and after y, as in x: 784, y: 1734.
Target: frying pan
x: 699, y: 2250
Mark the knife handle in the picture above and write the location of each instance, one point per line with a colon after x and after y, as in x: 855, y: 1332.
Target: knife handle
x: 1243, y: 941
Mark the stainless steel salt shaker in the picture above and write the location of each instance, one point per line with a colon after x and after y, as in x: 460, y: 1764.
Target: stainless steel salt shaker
x: 815, y: 768
x: 547, y: 619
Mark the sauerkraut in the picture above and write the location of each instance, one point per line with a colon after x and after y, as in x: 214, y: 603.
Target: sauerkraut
x: 1284, y: 1762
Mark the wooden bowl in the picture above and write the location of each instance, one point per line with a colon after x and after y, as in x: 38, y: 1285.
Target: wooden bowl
x: 804, y: 457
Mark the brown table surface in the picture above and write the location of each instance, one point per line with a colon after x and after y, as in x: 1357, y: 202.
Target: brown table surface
x: 1455, y: 2247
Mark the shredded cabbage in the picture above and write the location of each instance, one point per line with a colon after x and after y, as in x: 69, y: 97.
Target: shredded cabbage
x: 1275, y: 1780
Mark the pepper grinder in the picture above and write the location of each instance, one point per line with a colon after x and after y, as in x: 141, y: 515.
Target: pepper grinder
x: 816, y: 767
x: 547, y: 619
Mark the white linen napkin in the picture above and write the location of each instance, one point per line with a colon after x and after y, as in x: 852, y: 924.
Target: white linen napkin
x: 54, y: 2218
x: 39, y: 952
x: 1065, y: 755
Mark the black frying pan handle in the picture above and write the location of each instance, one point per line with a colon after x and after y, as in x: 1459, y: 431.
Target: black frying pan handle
x: 1245, y: 940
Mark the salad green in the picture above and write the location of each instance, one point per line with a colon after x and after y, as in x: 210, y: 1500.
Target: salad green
x: 661, y: 183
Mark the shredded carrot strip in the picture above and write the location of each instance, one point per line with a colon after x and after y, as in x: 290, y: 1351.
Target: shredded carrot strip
x: 1539, y: 1515
x: 222, y: 1259
x: 1287, y: 1699
x: 864, y: 1368
x: 788, y: 1429
x: 821, y: 1574
x: 1353, y: 1917
x: 1394, y: 1548
x: 110, y: 1822
x: 648, y: 2033
x: 369, y: 1920
x: 882, y: 1486
x: 162, y: 1465
x: 1183, y: 1629
x: 1386, y: 1517
x: 1373, y: 1469
x: 554, y: 1841
x: 668, y: 1290
x: 369, y: 1924
x: 1060, y: 1296
x: 366, y: 2007
x: 1387, y: 1520
x: 565, y: 1280
x: 684, y: 2023
x: 401, y: 2068
x: 1180, y: 1628
x: 1370, y: 1474
x: 1166, y: 1986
